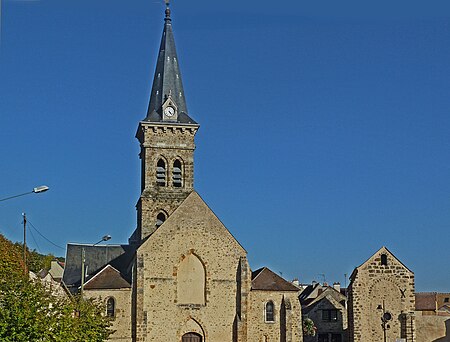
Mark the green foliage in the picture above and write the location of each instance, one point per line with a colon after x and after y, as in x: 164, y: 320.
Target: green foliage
x: 30, y: 312
x: 309, y: 329
x: 35, y: 260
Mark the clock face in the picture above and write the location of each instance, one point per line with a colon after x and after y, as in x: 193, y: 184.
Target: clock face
x: 169, y: 111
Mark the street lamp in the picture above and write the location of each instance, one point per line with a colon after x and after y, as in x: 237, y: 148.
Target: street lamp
x: 83, y: 260
x: 385, y: 318
x: 36, y: 190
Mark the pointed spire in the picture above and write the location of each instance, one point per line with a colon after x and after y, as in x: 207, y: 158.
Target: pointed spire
x: 167, y: 79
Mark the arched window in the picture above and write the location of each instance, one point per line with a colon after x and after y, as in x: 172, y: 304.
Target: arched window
x: 270, y: 315
x: 161, y: 173
x: 110, y: 307
x: 384, y: 261
x: 160, y: 219
x: 177, y: 174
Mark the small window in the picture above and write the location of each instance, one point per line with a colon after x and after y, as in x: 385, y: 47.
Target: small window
x: 330, y: 315
x: 270, y: 316
x: 160, y: 219
x: 446, y: 300
x: 384, y: 260
x: 110, y: 307
x: 177, y: 174
x: 161, y: 173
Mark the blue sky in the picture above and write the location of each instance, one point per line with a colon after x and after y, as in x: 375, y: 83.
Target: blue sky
x: 324, y: 125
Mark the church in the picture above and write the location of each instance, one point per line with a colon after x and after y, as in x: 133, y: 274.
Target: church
x: 182, y: 276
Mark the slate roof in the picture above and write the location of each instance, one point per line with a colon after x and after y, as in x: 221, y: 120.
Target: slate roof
x: 97, y: 257
x: 167, y: 80
x: 107, y: 278
x: 304, y: 295
x: 328, y: 293
x: 265, y: 280
x: 426, y: 301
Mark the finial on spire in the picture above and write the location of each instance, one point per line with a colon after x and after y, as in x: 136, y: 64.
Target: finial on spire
x: 167, y: 9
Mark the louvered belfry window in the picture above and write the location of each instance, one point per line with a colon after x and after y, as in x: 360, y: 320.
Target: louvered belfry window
x: 177, y: 174
x: 161, y: 173
x: 191, y: 337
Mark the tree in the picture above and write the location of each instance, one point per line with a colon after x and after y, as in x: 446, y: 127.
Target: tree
x: 309, y: 329
x: 30, y: 312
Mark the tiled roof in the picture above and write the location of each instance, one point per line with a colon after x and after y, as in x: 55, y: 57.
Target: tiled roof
x: 426, y: 301
x: 266, y: 280
x: 107, y: 278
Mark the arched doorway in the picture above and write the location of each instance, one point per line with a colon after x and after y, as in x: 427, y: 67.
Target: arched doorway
x: 191, y: 337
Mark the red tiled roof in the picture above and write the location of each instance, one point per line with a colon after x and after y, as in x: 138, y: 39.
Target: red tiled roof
x: 426, y: 301
x: 108, y: 278
x: 266, y: 280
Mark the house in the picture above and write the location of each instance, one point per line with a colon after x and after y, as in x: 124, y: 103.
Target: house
x: 326, y: 306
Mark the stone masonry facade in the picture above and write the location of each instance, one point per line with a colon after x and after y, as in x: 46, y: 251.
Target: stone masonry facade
x: 169, y: 144
x: 382, y: 300
x: 187, y: 278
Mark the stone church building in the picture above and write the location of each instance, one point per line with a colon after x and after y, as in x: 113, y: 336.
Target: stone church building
x: 182, y: 277
x: 381, y: 299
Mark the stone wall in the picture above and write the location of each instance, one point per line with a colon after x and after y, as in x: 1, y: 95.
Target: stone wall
x: 122, y: 320
x: 432, y: 328
x: 286, y: 327
x: 191, y: 231
x: 168, y: 143
x: 376, y: 289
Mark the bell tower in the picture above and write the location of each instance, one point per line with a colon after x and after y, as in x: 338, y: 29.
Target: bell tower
x: 166, y: 137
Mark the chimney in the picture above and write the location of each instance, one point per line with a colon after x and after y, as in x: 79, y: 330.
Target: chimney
x: 337, y: 287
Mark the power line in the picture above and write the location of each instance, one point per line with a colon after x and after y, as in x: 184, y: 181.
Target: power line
x: 45, y: 238
x: 35, y: 242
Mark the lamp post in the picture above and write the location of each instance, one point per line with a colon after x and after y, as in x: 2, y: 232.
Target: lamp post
x: 36, y: 190
x: 385, y: 318
x: 83, y: 261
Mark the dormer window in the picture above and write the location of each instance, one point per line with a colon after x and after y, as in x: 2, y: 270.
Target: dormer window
x: 161, y: 173
x: 177, y: 174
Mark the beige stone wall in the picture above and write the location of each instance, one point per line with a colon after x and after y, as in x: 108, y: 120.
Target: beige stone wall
x: 169, y: 143
x: 374, y: 285
x: 287, y: 317
x: 122, y: 320
x: 191, y: 230
x: 432, y: 328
